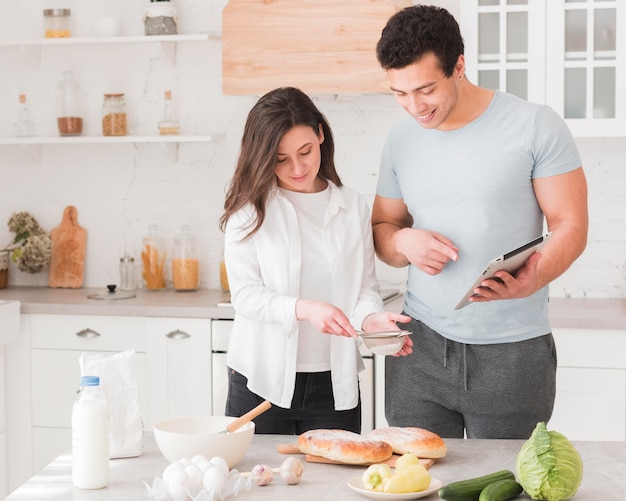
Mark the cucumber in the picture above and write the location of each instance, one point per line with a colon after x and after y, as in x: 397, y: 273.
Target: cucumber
x: 469, y: 490
x: 500, y: 490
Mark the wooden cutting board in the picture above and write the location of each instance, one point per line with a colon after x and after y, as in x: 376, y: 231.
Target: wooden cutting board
x: 294, y: 449
x: 69, y: 241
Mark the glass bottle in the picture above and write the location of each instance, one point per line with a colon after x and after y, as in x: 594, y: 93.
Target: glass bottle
x: 185, y: 263
x: 160, y: 18
x: 57, y: 23
x: 24, y: 127
x: 90, y: 436
x: 114, y: 119
x: 223, y: 275
x: 168, y: 126
x: 69, y: 116
x: 153, y: 258
x: 127, y: 272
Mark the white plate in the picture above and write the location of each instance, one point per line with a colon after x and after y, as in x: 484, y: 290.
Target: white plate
x: 356, y: 484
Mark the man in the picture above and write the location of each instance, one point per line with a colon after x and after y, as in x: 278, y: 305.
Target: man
x: 471, y: 174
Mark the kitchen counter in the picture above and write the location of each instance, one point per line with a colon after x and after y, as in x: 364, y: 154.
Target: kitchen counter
x: 564, y: 313
x: 604, y: 472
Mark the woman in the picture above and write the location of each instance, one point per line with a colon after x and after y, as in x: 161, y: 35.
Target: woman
x: 300, y: 261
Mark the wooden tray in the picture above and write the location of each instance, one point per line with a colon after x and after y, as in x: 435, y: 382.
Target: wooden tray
x: 294, y: 449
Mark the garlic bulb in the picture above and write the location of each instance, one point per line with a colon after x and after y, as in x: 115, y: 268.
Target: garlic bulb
x: 262, y: 474
x: 291, y: 471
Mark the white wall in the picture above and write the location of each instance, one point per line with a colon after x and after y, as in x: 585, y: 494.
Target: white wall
x: 121, y: 189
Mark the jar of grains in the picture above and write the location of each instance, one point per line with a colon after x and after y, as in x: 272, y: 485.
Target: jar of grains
x: 185, y: 263
x: 57, y: 23
x: 114, y: 120
x: 69, y: 115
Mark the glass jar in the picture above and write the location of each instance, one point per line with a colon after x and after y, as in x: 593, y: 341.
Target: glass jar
x: 57, y: 23
x: 69, y: 116
x: 127, y: 273
x: 153, y: 260
x: 185, y: 263
x: 114, y: 119
x: 223, y: 275
x: 160, y: 18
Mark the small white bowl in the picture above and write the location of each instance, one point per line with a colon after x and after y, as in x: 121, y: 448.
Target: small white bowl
x: 186, y: 437
x: 384, y: 343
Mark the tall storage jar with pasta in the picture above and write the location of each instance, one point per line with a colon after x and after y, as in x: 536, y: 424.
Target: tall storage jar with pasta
x: 114, y: 117
x: 153, y: 260
x: 185, y: 263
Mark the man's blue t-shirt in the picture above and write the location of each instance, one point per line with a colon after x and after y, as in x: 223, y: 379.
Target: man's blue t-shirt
x: 474, y: 186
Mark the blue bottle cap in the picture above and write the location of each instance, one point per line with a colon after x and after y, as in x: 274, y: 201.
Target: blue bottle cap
x: 90, y: 380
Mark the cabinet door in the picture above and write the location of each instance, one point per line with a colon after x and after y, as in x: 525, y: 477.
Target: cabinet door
x: 366, y: 384
x: 586, y: 53
x: 504, y: 45
x: 179, y: 352
x: 3, y: 435
x: 590, y: 404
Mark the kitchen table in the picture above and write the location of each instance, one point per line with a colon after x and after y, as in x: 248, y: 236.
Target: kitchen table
x: 604, y: 472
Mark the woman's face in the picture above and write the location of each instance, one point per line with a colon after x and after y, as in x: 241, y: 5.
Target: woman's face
x: 298, y: 160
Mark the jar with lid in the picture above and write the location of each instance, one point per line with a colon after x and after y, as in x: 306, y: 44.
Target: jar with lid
x: 153, y: 260
x: 160, y: 18
x: 223, y: 274
x: 127, y: 272
x: 114, y: 119
x: 185, y: 263
x: 69, y: 115
x: 57, y: 23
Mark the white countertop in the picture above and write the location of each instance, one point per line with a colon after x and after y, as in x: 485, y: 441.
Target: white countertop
x: 604, y: 472
x: 564, y: 313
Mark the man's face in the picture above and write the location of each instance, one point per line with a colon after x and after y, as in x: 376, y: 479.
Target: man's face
x: 426, y: 93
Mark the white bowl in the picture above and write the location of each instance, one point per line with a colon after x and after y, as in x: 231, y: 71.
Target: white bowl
x: 186, y: 437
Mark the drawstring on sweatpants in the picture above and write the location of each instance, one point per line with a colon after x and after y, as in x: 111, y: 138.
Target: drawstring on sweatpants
x: 445, y: 360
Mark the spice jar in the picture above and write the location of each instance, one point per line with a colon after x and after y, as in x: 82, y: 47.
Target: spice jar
x: 185, y: 264
x: 153, y: 257
x: 114, y: 121
x: 57, y: 23
x: 160, y: 18
x: 127, y: 272
x: 69, y: 116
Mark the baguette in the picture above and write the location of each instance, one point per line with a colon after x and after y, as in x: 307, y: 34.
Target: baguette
x: 344, y: 446
x: 418, y: 441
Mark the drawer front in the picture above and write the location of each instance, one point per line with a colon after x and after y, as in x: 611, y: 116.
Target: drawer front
x: 220, y: 334
x: 601, y: 348
x: 88, y: 333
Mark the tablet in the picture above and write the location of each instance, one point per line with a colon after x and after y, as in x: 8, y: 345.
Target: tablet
x: 511, y: 262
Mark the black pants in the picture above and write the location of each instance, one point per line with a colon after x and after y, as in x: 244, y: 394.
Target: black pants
x: 483, y: 390
x: 312, y: 406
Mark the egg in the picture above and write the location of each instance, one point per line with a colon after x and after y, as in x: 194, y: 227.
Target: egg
x: 195, y: 479
x: 198, y: 458
x: 221, y: 464
x: 213, y: 481
x: 205, y: 466
x: 178, y: 483
x: 171, y: 468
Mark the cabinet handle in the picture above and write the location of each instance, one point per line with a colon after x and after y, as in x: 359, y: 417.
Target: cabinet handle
x: 177, y: 334
x: 87, y: 333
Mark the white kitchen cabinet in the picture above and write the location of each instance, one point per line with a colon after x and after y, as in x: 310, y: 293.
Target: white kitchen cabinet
x: 569, y: 54
x: 591, y: 384
x: 3, y: 435
x: 56, y: 342
x: 179, y: 358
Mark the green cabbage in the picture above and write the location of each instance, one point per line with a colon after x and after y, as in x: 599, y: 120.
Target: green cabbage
x: 548, y: 466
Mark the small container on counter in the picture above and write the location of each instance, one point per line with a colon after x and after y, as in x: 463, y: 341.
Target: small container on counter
x: 160, y: 18
x: 185, y: 263
x: 114, y: 117
x: 153, y: 258
x: 69, y: 115
x: 127, y: 273
x: 57, y: 23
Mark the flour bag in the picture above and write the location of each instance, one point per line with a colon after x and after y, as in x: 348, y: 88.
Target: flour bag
x: 118, y: 378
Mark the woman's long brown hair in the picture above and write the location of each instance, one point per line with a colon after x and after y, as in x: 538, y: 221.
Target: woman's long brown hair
x: 274, y: 114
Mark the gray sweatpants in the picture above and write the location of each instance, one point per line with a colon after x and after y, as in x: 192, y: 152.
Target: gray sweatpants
x: 487, y: 390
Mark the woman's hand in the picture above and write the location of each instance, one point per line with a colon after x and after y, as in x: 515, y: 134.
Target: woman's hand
x: 385, y: 321
x: 325, y: 317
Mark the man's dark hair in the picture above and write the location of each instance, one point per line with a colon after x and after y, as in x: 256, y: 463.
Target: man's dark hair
x: 416, y: 31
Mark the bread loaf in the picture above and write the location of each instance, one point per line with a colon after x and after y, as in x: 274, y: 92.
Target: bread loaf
x: 344, y: 446
x: 422, y: 443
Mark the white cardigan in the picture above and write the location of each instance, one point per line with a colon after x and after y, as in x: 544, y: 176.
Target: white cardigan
x: 264, y: 279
